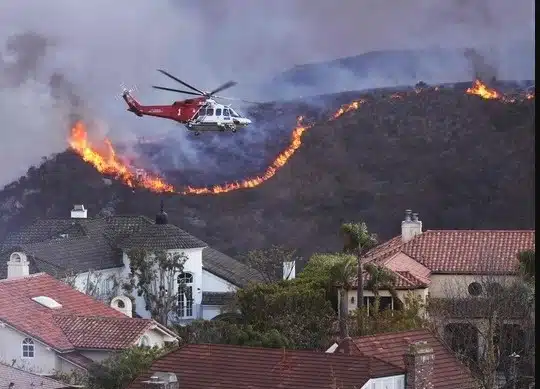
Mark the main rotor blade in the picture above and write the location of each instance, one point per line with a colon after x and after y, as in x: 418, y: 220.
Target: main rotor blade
x: 227, y: 85
x: 176, y: 90
x: 233, y: 99
x: 181, y: 82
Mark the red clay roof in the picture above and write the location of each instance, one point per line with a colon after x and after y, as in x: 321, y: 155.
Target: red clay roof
x: 461, y: 251
x: 204, y: 366
x: 448, y: 373
x: 54, y: 327
x: 405, y: 280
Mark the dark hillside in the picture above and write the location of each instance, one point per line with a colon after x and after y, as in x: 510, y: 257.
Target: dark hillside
x: 461, y: 161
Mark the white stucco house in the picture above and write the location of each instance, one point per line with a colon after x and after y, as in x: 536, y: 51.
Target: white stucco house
x: 96, y: 251
x: 46, y: 326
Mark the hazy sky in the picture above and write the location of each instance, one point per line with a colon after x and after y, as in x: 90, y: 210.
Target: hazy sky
x: 100, y: 44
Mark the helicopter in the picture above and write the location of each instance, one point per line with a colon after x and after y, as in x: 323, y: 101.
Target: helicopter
x: 197, y: 114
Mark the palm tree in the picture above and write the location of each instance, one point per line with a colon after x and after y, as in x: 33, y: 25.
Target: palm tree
x: 381, y: 278
x: 358, y: 241
x: 342, y: 273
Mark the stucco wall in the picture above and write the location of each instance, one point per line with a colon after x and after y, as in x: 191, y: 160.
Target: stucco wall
x: 213, y: 283
x: 44, y: 360
x: 393, y: 382
x: 456, y: 285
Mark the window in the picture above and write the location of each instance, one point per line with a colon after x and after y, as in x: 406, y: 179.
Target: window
x: 28, y: 348
x: 226, y: 112
x: 218, y: 112
x: 475, y: 289
x: 233, y: 113
x: 185, y: 295
x: 385, y: 302
x: 209, y: 111
x: 202, y: 112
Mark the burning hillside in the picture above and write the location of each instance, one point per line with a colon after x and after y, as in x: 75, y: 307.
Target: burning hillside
x: 105, y: 159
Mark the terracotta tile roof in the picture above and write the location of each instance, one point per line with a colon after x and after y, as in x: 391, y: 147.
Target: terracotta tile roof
x: 77, y: 358
x: 204, y: 366
x: 24, y: 379
x: 405, y: 280
x: 115, y: 333
x: 461, y: 251
x: 52, y: 326
x: 448, y: 373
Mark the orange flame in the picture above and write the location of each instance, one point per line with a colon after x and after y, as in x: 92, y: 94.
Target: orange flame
x: 482, y: 90
x: 108, y: 162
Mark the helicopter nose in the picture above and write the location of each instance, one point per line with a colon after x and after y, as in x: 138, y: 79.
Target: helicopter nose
x: 247, y: 121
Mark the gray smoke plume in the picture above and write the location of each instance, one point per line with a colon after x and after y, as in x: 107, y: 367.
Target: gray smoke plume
x: 63, y: 59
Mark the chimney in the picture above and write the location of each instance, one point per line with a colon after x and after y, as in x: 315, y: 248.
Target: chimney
x: 419, y: 362
x: 289, y: 270
x: 18, y: 265
x: 79, y: 212
x: 161, y: 380
x: 123, y: 304
x: 411, y: 226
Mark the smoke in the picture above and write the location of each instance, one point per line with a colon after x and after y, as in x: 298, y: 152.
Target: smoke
x: 79, y: 53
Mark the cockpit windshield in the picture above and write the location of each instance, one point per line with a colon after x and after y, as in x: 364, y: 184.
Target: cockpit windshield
x: 233, y: 113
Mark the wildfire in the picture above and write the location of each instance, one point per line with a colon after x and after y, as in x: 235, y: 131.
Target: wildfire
x: 482, y: 90
x: 105, y: 160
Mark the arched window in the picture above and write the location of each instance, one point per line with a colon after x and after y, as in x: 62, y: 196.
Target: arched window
x: 185, y: 295
x: 28, y: 348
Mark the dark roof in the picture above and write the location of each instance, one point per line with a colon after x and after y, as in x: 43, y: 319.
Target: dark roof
x: 462, y: 251
x: 202, y: 366
x: 57, y: 245
x: 228, y: 268
x: 448, y: 373
x: 80, y: 322
x: 217, y: 298
x: 161, y: 237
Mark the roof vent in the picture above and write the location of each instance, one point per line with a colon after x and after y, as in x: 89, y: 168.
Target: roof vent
x: 47, y: 302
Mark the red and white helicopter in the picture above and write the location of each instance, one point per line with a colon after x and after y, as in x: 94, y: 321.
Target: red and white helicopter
x: 197, y: 114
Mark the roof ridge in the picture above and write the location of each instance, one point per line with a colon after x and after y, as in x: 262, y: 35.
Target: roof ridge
x: 35, y: 275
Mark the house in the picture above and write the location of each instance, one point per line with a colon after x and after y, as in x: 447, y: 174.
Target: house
x: 203, y: 366
x: 95, y: 250
x: 445, y: 372
x: 15, y: 378
x: 442, y: 262
x: 47, y: 326
x: 463, y: 275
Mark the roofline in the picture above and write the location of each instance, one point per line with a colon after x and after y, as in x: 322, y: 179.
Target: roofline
x: 73, y: 363
x: 223, y: 278
x: 157, y: 326
x: 478, y: 273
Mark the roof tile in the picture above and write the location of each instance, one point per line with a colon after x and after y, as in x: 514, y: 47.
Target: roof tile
x: 203, y: 366
x: 461, y: 251
x: 448, y: 373
x: 24, y: 379
x: 60, y: 328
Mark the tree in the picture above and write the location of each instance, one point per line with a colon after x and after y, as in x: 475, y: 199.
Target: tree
x: 222, y: 332
x: 154, y: 277
x: 527, y: 265
x: 269, y: 262
x: 342, y: 274
x: 493, y: 321
x: 297, y: 309
x: 358, y: 241
x: 96, y: 284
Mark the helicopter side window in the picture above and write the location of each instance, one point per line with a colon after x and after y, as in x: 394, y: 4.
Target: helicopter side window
x: 218, y: 112
x: 226, y: 112
x: 209, y: 111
